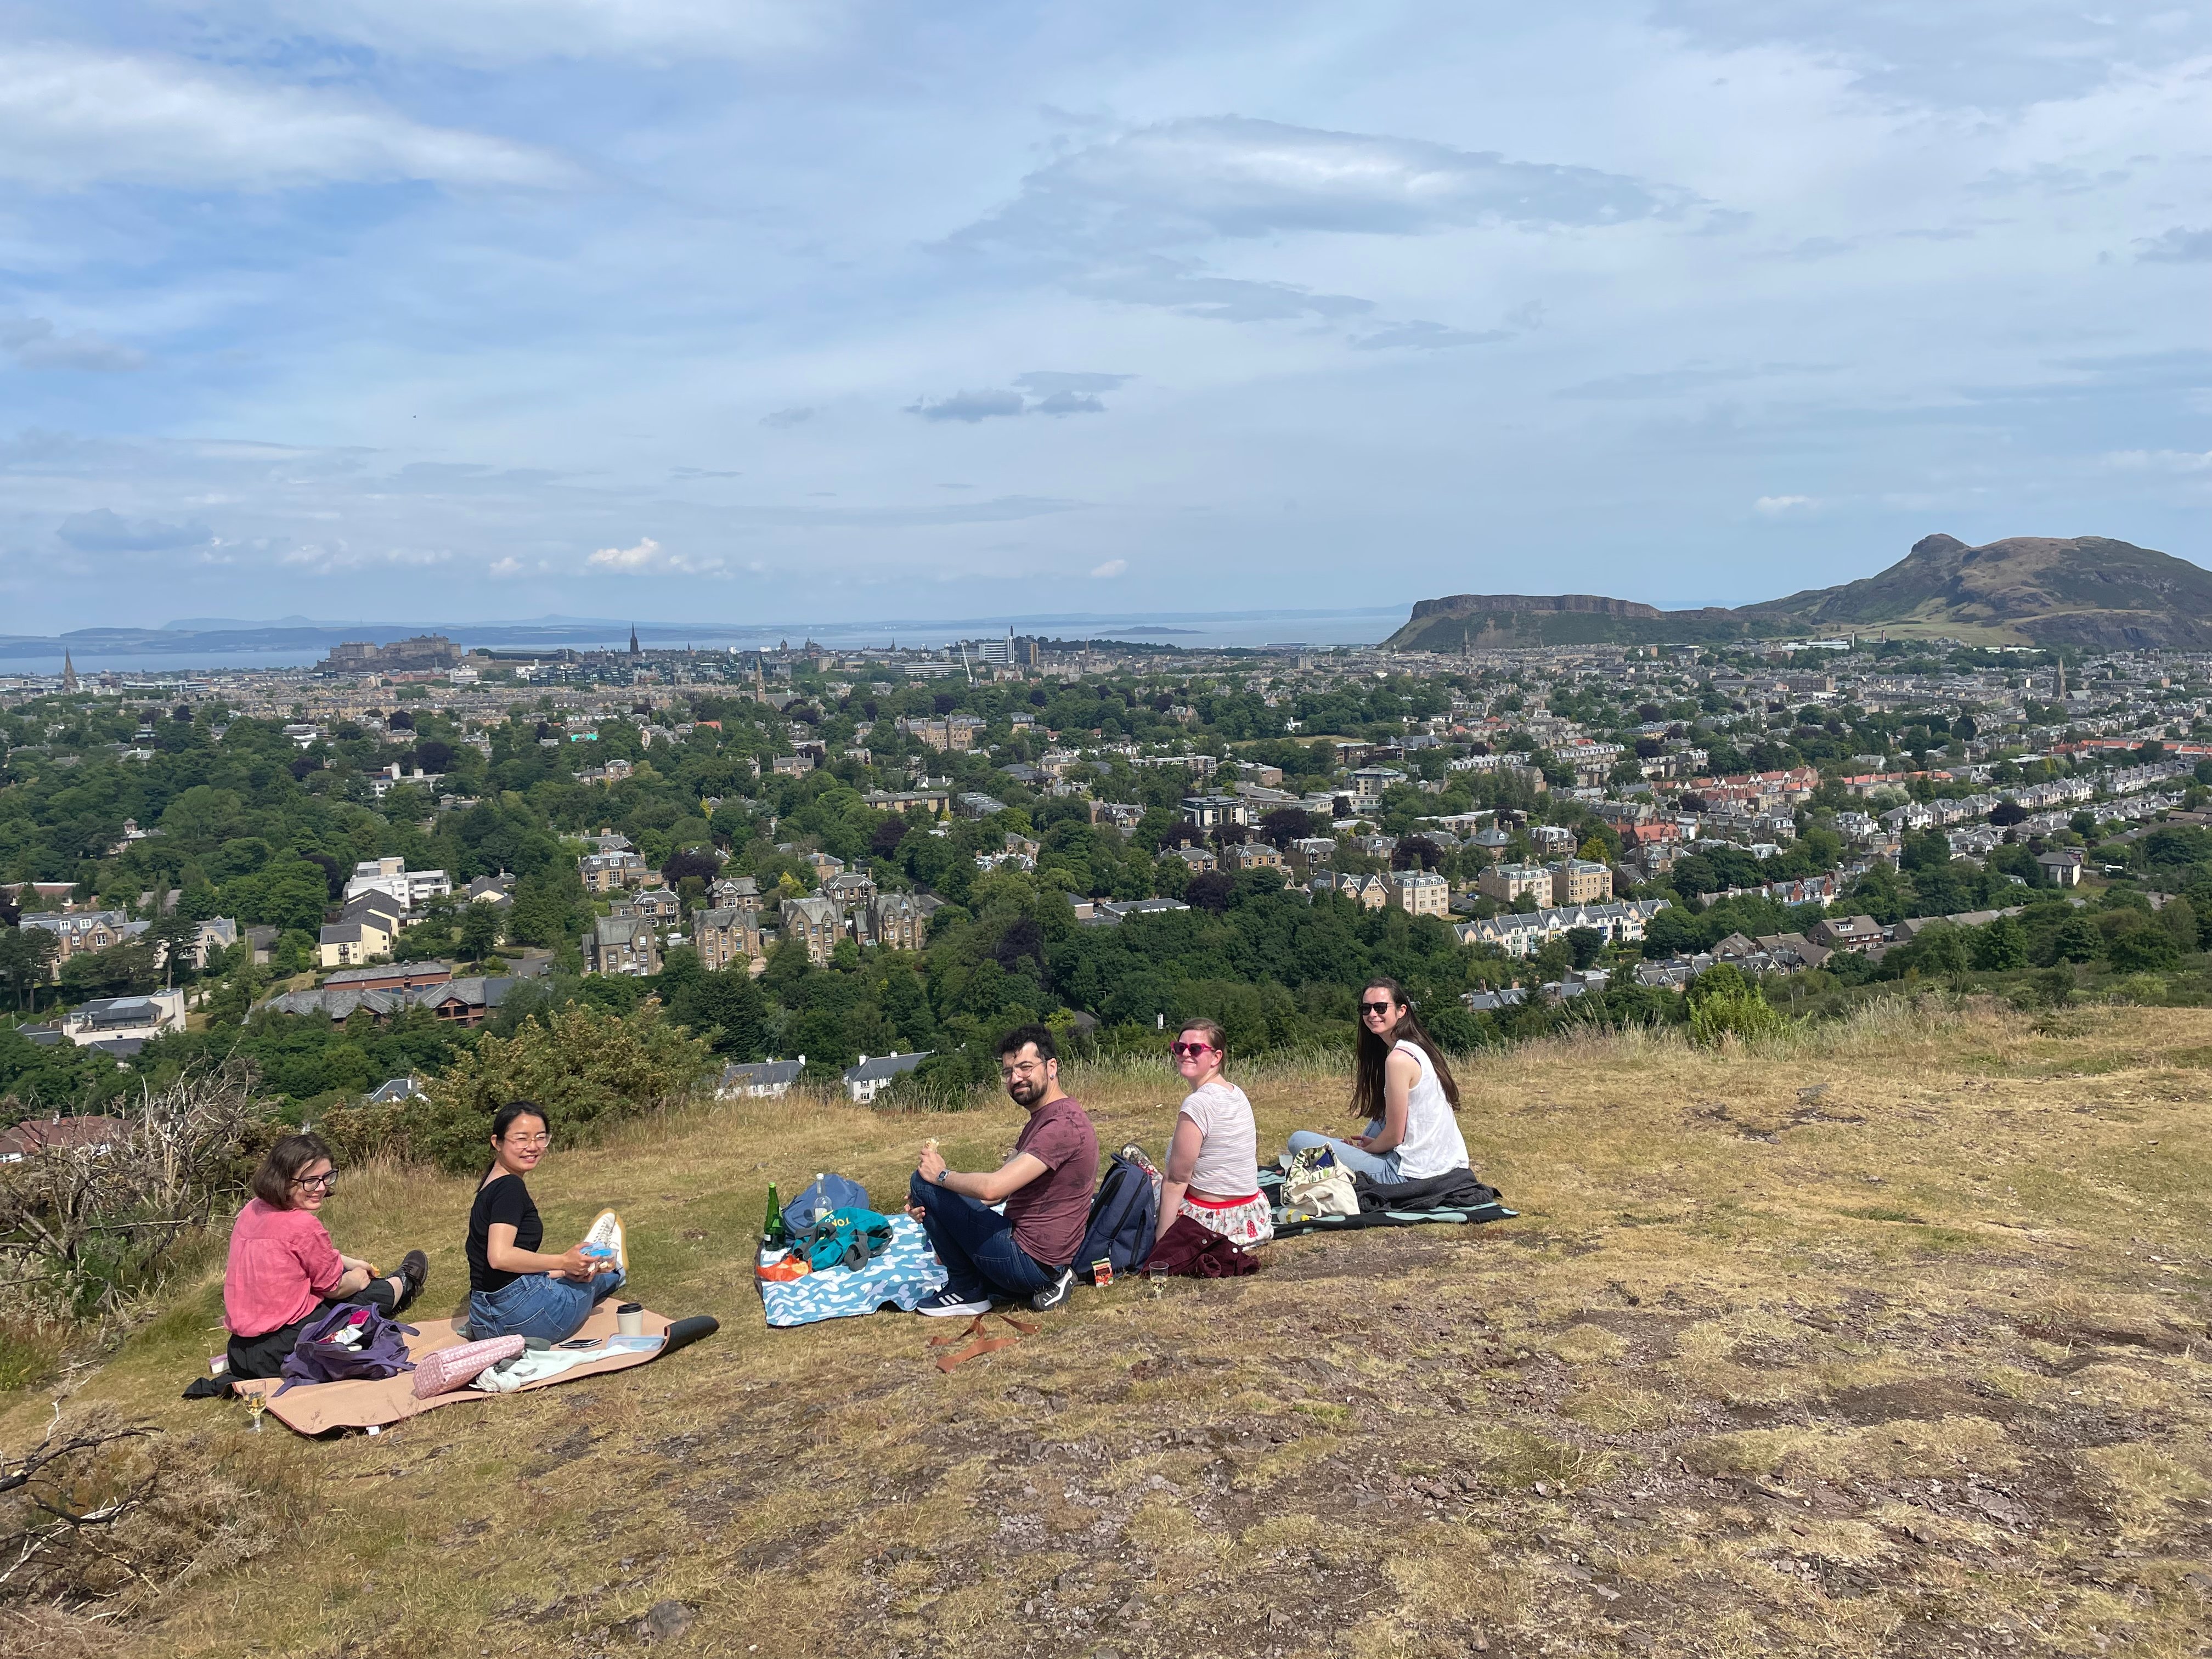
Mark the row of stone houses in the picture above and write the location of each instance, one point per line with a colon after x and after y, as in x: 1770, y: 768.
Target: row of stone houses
x: 630, y: 941
x: 1622, y: 921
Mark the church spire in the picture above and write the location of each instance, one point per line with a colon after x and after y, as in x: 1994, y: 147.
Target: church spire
x: 634, y: 650
x: 69, y: 672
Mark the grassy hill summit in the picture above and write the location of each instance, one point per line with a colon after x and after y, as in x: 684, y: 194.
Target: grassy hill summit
x: 2087, y: 591
x: 1886, y: 1336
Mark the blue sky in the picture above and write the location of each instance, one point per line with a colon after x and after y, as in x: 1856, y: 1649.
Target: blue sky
x: 747, y: 310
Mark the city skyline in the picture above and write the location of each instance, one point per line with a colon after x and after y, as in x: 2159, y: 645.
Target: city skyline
x: 837, y: 311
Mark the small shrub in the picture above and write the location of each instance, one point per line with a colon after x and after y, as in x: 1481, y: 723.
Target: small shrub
x: 589, y: 1069
x: 1724, y: 1003
x: 107, y: 1512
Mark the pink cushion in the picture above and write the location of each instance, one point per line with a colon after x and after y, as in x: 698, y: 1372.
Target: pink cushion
x: 454, y: 1368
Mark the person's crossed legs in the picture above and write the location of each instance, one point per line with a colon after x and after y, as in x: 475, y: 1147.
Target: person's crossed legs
x: 1358, y: 1159
x: 539, y: 1305
x: 976, y: 1245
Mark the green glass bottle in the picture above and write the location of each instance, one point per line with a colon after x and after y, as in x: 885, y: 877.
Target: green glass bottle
x: 773, y: 1235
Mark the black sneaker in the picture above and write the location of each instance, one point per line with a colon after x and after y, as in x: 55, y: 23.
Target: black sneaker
x: 1054, y: 1293
x: 948, y: 1304
x: 414, y: 1269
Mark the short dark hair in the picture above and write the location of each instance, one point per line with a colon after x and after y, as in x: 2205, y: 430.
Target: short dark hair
x: 281, y: 1166
x: 1022, y: 1036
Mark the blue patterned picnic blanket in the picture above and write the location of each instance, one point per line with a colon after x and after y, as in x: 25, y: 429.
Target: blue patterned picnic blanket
x: 898, y: 1279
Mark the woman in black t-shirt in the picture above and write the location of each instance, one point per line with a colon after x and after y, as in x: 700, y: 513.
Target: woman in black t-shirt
x: 514, y: 1288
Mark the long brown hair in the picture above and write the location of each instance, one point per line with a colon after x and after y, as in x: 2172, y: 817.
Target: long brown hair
x: 1367, y: 1085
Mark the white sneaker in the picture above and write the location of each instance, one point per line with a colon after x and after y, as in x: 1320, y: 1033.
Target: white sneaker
x: 606, y: 1234
x: 947, y: 1304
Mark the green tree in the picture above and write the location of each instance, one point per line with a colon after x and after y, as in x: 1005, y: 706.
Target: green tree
x: 480, y: 929
x: 2077, y: 940
x: 26, y: 955
x: 288, y: 893
x: 727, y: 1007
x: 2179, y: 918
x: 2138, y: 944
x: 549, y: 908
x: 2001, y: 946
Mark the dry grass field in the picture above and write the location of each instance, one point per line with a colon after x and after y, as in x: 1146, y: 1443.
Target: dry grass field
x: 1890, y: 1338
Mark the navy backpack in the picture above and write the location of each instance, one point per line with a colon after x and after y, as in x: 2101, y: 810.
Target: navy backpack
x: 828, y: 1191
x: 1123, y: 1218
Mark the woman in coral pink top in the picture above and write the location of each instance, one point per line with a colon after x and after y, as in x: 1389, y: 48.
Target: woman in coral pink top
x: 284, y: 1271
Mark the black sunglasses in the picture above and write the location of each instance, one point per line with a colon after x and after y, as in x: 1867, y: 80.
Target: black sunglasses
x: 1375, y: 1007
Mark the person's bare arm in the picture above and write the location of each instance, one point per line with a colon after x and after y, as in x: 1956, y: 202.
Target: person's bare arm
x: 1400, y: 1072
x: 985, y: 1188
x: 1183, y: 1159
x: 354, y: 1279
x: 507, y: 1257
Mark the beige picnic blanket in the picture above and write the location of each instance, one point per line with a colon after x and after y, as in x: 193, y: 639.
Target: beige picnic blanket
x: 314, y: 1407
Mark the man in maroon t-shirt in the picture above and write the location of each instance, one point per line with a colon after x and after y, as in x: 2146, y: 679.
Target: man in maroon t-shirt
x: 1027, y: 1252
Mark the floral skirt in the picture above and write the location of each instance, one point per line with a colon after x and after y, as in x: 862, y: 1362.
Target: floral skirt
x: 1244, y: 1222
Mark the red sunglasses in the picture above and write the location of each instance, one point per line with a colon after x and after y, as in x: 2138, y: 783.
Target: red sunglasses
x: 1182, y: 1049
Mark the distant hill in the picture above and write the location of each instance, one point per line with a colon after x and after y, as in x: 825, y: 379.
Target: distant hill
x: 2089, y: 592
x: 1502, y: 622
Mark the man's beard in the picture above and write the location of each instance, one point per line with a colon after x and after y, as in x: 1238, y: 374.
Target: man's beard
x: 1023, y: 1091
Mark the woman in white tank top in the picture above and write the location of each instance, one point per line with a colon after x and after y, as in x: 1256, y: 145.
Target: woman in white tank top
x: 1405, y: 1090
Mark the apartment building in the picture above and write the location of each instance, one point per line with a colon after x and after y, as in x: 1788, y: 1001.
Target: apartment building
x: 1418, y: 893
x: 1508, y: 882
x: 1579, y: 881
x: 412, y: 888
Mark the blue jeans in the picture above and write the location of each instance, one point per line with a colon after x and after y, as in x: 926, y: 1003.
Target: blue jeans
x: 1357, y: 1159
x: 976, y: 1245
x: 537, y: 1305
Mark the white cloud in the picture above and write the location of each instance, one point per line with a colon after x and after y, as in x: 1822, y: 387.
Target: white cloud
x: 1111, y: 567
x: 519, y: 31
x: 969, y: 406
x: 104, y: 530
x: 2179, y: 246
x: 643, y: 557
x: 1776, y: 506
x: 509, y: 566
x: 342, y: 556
x: 1427, y: 337
x: 2160, y: 460
x: 72, y: 118
x: 34, y: 343
x: 649, y: 556
x: 1226, y: 176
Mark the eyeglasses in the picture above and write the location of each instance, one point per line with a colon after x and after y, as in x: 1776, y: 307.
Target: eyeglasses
x: 1181, y: 1050
x: 1371, y: 1008
x: 321, y: 1183
x: 529, y: 1141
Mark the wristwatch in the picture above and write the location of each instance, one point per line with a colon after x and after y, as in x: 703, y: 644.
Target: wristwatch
x: 941, y: 1174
